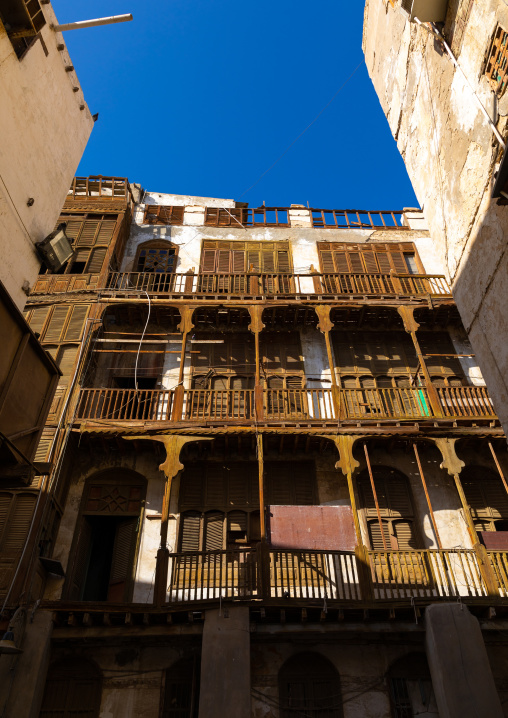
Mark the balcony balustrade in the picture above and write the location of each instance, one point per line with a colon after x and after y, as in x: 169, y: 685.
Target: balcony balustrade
x: 254, y: 284
x: 276, y: 575
x: 282, y: 405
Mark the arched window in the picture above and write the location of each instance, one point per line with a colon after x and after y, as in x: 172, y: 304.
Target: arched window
x: 73, y: 687
x: 410, y: 686
x: 156, y: 256
x: 181, y: 689
x: 106, y: 541
x: 309, y: 686
x: 487, y: 498
x: 395, y: 507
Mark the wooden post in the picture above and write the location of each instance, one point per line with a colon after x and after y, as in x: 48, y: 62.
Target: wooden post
x: 431, y: 512
x: 378, y: 511
x: 256, y: 325
x: 454, y: 466
x: 173, y: 444
x: 185, y: 327
x: 325, y: 325
x: 498, y: 466
x: 410, y: 325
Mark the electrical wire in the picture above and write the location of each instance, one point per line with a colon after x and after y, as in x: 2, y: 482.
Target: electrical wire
x: 141, y: 340
x: 303, y: 131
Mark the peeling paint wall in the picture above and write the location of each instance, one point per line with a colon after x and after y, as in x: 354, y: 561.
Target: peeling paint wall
x: 451, y: 156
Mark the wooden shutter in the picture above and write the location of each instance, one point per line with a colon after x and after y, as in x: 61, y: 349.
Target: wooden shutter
x: 304, y: 482
x: 38, y: 319
x: 66, y: 358
x: 122, y: 560
x: 106, y: 231
x: 76, y: 323
x: 18, y: 525
x: 96, y: 261
x: 189, y: 532
x: 73, y: 688
x: 42, y: 453
x: 238, y: 261
x: 5, y: 504
x: 376, y: 540
x: 73, y: 228
x: 237, y: 521
x: 56, y: 324
x: 399, y: 499
x: 87, y: 235
x: 208, y: 260
x: 214, y: 531
x: 215, y: 486
x: 191, y: 486
x: 238, y: 485
x: 404, y: 535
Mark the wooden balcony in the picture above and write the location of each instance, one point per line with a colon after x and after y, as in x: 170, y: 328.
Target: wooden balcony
x: 312, y: 406
x: 307, y: 577
x: 277, y: 285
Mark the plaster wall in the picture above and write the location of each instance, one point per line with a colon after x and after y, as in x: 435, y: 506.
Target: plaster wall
x: 451, y: 156
x: 39, y: 161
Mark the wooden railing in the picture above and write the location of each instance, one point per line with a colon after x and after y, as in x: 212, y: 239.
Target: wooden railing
x: 426, y: 574
x: 284, y: 575
x: 275, y: 284
x: 211, y: 575
x: 465, y: 401
x: 281, y: 405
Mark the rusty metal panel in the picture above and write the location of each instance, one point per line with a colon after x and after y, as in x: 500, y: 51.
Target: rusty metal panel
x: 494, y: 540
x: 325, y: 528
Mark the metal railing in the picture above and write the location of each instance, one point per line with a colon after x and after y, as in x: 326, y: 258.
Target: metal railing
x: 273, y: 284
x: 199, y: 405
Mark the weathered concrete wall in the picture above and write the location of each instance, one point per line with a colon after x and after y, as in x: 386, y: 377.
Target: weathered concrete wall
x: 451, y: 156
x: 45, y: 127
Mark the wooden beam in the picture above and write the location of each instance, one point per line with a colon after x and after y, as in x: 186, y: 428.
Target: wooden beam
x: 261, y: 487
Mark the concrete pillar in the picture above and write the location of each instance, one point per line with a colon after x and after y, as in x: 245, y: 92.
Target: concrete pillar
x: 458, y: 662
x: 30, y: 669
x: 225, y: 664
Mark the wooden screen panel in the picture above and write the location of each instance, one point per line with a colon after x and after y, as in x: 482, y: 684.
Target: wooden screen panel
x: 16, y: 512
x: 226, y: 257
x: 190, y: 525
x: 163, y: 214
x: 122, y: 561
x: 90, y: 236
x: 373, y: 353
x: 339, y: 257
x: 486, y: 496
x: 290, y: 483
x: 223, y: 486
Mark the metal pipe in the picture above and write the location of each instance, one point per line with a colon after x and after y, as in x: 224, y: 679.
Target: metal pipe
x: 424, y: 483
x: 381, y: 526
x: 92, y: 23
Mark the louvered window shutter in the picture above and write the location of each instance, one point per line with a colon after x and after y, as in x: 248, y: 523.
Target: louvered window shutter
x: 238, y: 486
x: 189, y: 532
x: 96, y: 261
x: 81, y: 560
x: 376, y: 540
x: 369, y: 259
x: 397, y: 260
x: 191, y: 486
x: 253, y: 259
x: 38, y: 318
x: 223, y: 257
x: 283, y: 263
x: 293, y: 352
x: 56, y: 324
x: 66, y: 358
x: 399, y: 499
x: 73, y: 228
x: 327, y: 264
x: 268, y: 261
x: 383, y: 262
x: 237, y: 521
x: 496, y: 498
x: 87, y: 235
x: 355, y: 262
x: 208, y: 260
x: 215, y: 488
x: 304, y: 482
x: 42, y: 453
x: 122, y: 560
x: 238, y: 261
x: 214, y: 531
x: 106, y: 231
x: 5, y: 504
x: 76, y: 323
x: 18, y: 525
x: 404, y: 535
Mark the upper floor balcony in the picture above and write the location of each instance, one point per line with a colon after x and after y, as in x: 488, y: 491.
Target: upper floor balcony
x: 283, y: 286
x: 308, y: 407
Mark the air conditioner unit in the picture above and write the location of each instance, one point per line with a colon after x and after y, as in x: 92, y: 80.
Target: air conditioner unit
x: 56, y: 249
x: 425, y: 10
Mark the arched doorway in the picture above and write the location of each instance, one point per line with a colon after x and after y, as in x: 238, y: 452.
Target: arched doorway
x: 309, y: 687
x: 410, y: 686
x: 73, y: 687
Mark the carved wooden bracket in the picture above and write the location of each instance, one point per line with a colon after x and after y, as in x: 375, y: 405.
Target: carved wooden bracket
x: 323, y: 314
x: 173, y: 444
x: 451, y: 461
x: 345, y: 443
x: 410, y: 325
x: 256, y: 315
x: 186, y: 324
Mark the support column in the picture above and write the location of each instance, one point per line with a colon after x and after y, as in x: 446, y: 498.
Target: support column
x: 410, y: 325
x: 454, y: 466
x: 461, y: 675
x: 185, y: 327
x: 325, y: 325
x: 225, y: 664
x: 255, y: 326
x: 349, y: 465
x: 173, y: 444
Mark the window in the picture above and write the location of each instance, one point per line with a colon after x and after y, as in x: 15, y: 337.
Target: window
x: 90, y: 236
x: 219, y: 503
x: 73, y: 687
x: 369, y: 258
x: 16, y: 511
x: 496, y: 67
x: 156, y: 257
x: 181, y: 689
x: 234, y: 257
x: 410, y: 686
x: 487, y: 498
x: 395, y: 507
x: 309, y: 686
x: 22, y: 21
x: 163, y: 214
x: 106, y: 543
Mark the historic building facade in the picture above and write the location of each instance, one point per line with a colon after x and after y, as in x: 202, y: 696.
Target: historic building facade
x: 277, y: 481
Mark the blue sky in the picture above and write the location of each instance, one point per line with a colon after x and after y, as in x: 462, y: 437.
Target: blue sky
x: 200, y: 97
